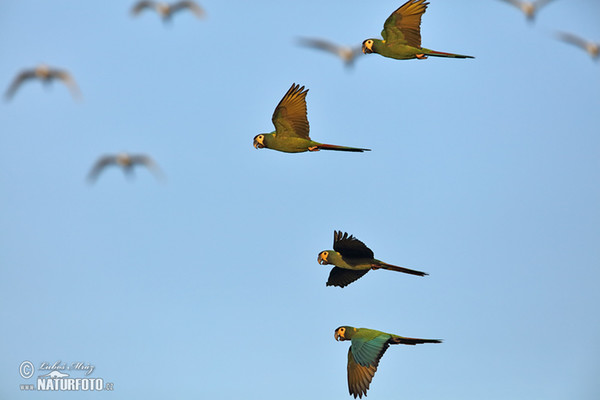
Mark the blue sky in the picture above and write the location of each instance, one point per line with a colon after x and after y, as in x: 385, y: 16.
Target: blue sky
x: 483, y: 173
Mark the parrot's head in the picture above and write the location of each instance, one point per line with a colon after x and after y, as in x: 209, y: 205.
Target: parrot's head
x: 344, y: 333
x: 367, y: 46
x: 322, y: 258
x: 259, y: 141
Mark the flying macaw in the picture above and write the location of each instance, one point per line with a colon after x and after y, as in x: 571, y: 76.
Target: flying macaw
x: 352, y: 259
x: 402, y: 35
x: 291, y: 127
x: 529, y: 8
x: 592, y: 48
x: 167, y: 10
x: 347, y: 53
x: 46, y: 74
x: 367, y: 348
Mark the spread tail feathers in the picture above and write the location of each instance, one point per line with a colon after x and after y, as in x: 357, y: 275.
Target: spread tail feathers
x: 442, y: 54
x: 341, y: 148
x: 402, y: 269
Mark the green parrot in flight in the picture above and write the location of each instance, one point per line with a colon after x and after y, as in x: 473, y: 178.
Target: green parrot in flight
x: 367, y: 348
x: 291, y: 127
x: 352, y: 259
x: 402, y: 35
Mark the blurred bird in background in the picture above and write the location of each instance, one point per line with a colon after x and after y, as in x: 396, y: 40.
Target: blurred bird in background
x: 46, y: 74
x: 127, y: 162
x: 529, y: 8
x: 592, y: 48
x: 347, y: 53
x: 167, y: 10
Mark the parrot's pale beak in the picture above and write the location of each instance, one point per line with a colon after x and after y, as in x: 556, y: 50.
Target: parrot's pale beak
x: 257, y: 143
x: 366, y: 50
x: 321, y: 259
x: 337, y: 336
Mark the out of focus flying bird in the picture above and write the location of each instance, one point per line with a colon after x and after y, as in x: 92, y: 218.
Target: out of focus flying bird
x: 352, y: 259
x: 529, y: 8
x: 46, y: 74
x: 347, y: 53
x: 367, y: 348
x: 126, y: 162
x: 402, y: 35
x: 592, y: 48
x: 291, y: 127
x: 167, y: 10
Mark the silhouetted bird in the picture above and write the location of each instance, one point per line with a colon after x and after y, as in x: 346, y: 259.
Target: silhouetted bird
x: 126, y: 162
x: 529, y: 8
x: 346, y: 53
x: 167, y: 10
x: 592, y: 48
x: 45, y: 74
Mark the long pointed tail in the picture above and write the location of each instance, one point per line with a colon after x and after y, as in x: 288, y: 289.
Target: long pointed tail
x: 402, y: 269
x: 407, y: 340
x: 341, y: 148
x: 442, y: 54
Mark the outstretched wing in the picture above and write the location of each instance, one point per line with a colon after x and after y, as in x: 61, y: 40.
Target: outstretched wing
x: 99, y: 166
x: 541, y: 3
x: 359, y: 377
x: 516, y: 3
x: 289, y: 117
x: 192, y: 6
x: 404, y: 25
x: 342, y: 277
x: 321, y: 45
x: 149, y: 163
x: 67, y: 80
x: 363, y: 359
x: 142, y: 5
x: 350, y: 247
x: 573, y: 39
x: 23, y: 76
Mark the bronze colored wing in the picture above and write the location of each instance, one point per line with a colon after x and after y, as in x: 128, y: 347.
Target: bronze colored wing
x: 342, y: 277
x: 22, y: 77
x: 192, y: 6
x: 102, y: 162
x: 574, y: 40
x: 142, y: 5
x: 359, y: 377
x: 149, y: 163
x: 404, y: 25
x: 350, y: 247
x: 67, y: 80
x: 290, y: 118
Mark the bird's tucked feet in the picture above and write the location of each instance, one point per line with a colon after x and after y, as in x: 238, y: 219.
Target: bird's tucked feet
x: 421, y: 56
x: 313, y: 148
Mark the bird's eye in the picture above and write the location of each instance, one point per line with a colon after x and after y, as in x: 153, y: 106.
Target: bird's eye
x: 325, y: 254
x: 342, y: 330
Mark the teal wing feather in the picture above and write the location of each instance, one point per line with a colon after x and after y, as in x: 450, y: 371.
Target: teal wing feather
x: 368, y: 346
x: 359, y: 377
x: 404, y: 25
x: 290, y: 118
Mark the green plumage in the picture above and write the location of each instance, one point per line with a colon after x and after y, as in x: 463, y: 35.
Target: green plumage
x: 352, y: 259
x: 367, y: 348
x: 291, y: 127
x: 402, y: 35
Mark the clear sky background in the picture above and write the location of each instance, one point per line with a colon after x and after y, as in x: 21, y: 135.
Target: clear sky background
x: 484, y: 173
